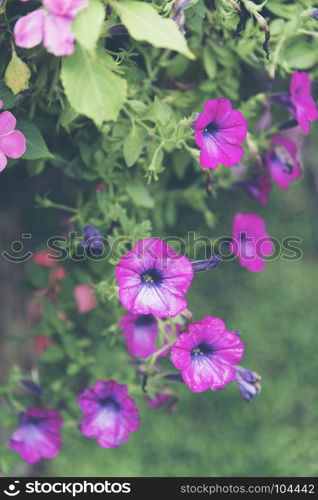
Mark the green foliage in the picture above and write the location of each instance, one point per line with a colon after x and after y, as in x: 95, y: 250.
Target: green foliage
x: 36, y: 147
x: 88, y: 24
x: 91, y: 86
x: 143, y: 23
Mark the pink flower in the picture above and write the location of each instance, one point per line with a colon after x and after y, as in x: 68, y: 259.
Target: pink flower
x: 281, y: 161
x: 153, y: 279
x: 12, y: 142
x: 85, y: 298
x: 51, y: 25
x: 110, y: 415
x: 303, y: 106
x: 44, y: 258
x: 41, y: 343
x: 258, y: 187
x: 39, y: 434
x: 207, y: 355
x: 57, y: 274
x: 251, y: 242
x: 219, y: 131
x: 141, y: 332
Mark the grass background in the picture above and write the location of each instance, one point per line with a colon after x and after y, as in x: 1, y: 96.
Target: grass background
x: 217, y: 433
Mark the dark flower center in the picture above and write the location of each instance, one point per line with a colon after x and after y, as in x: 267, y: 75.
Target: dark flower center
x: 109, y: 403
x: 211, y: 129
x: 201, y: 350
x: 243, y: 237
x: 288, y: 168
x: 284, y: 159
x: 25, y: 419
x: 152, y: 277
x: 146, y: 320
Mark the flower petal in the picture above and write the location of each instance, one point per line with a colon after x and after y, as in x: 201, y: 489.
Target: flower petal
x: 58, y: 36
x: 66, y: 8
x: 3, y: 161
x: 13, y: 144
x: 28, y: 30
x: 7, y: 122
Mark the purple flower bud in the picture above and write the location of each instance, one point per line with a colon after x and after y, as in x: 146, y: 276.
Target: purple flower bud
x: 258, y: 187
x: 92, y: 239
x: 32, y: 387
x: 205, y: 265
x: 282, y: 99
x: 117, y: 29
x: 248, y: 382
x: 178, y: 14
x: 314, y: 14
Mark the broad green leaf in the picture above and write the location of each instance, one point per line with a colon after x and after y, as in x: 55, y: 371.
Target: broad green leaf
x: 52, y: 354
x: 91, y: 88
x: 6, y: 96
x: 35, y: 145
x: 133, y: 144
x: 144, y: 23
x: 300, y: 53
x: 17, y: 74
x: 158, y: 111
x: 87, y: 25
x: 67, y: 116
x: 140, y: 195
x: 209, y: 63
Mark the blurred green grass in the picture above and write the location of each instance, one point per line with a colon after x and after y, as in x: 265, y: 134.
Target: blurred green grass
x: 219, y: 434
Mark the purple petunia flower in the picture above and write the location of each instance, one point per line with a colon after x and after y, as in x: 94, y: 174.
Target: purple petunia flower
x: 153, y: 279
x: 314, y: 14
x: 248, y: 383
x: 92, y: 239
x: 206, y: 355
x: 299, y: 101
x: 31, y: 386
x: 141, y: 332
x: 258, y: 187
x: 219, y: 132
x: 158, y: 400
x: 282, y: 163
x: 178, y: 14
x: 39, y: 434
x: 251, y: 243
x: 110, y: 415
x: 51, y: 25
x: 303, y: 106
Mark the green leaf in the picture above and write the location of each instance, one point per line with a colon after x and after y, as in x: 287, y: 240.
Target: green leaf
x: 195, y: 14
x: 91, y: 88
x: 67, y: 116
x: 52, y: 354
x: 144, y: 23
x: 17, y: 74
x: 300, y: 53
x: 158, y: 111
x: 35, y: 167
x: 133, y: 144
x: 6, y: 96
x: 35, y: 145
x: 87, y: 25
x: 209, y: 63
x: 140, y: 195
